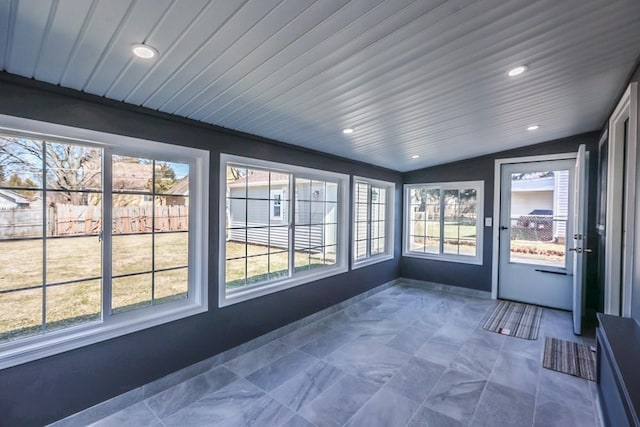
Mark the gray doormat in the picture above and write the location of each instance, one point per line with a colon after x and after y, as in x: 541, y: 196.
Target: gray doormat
x: 569, y: 358
x: 514, y: 319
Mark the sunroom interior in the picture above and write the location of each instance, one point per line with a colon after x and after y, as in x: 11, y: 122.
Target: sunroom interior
x: 273, y: 168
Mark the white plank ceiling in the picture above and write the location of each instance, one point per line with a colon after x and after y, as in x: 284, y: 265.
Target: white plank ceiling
x: 423, y: 77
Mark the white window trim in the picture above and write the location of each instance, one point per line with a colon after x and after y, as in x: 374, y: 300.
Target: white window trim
x: 300, y: 278
x: 389, y: 223
x: 24, y: 350
x: 465, y: 259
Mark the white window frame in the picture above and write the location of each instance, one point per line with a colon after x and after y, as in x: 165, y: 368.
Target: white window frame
x: 31, y: 348
x: 272, y: 204
x: 298, y: 278
x: 389, y: 248
x: 466, y: 259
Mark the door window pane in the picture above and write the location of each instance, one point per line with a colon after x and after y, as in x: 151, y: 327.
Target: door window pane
x: 539, y: 212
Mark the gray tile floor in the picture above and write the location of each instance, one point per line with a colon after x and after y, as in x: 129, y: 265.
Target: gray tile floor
x: 403, y: 357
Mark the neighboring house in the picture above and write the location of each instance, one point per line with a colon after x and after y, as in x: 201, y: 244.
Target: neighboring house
x: 19, y: 217
x: 179, y: 194
x: 546, y: 198
x: 12, y: 200
x: 267, y: 218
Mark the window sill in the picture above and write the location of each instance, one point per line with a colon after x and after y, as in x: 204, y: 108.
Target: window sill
x: 370, y: 261
x: 25, y: 350
x: 275, y: 286
x: 445, y: 258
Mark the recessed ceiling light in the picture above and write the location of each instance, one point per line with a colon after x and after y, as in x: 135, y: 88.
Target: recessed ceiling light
x: 517, y: 70
x: 347, y: 131
x: 415, y: 156
x: 533, y: 127
x: 143, y: 51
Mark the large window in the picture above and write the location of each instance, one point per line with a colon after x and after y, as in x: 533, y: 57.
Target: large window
x: 66, y: 280
x: 444, y: 221
x: 284, y: 225
x: 373, y: 221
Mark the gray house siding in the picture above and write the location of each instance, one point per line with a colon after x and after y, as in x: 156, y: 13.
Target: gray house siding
x: 313, y: 216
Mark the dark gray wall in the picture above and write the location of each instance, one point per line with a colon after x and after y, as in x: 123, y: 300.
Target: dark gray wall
x: 52, y: 388
x: 482, y: 168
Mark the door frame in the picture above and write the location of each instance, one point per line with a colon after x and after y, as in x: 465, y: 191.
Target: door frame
x: 618, y: 262
x: 496, y: 206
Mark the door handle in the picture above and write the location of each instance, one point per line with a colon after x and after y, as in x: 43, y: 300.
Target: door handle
x: 502, y: 227
x: 580, y: 250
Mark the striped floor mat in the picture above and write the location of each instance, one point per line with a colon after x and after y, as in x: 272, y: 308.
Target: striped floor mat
x: 515, y: 319
x: 570, y: 358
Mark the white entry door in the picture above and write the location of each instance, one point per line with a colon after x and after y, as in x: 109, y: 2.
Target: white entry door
x: 536, y: 217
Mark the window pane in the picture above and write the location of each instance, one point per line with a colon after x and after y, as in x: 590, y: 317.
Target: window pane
x: 331, y: 212
x: 360, y: 248
x: 235, y: 249
x: 360, y: 231
x: 235, y: 273
x: 21, y: 164
x: 279, y: 212
x: 257, y: 212
x: 73, y: 167
x: 539, y: 218
x: 278, y: 238
x: 73, y: 258
x: 330, y: 255
x: 236, y: 213
x: 74, y: 214
x: 377, y: 246
x: 258, y: 184
x: 171, y: 250
x: 73, y: 303
x: 171, y: 213
x: 236, y: 182
x: 20, y: 263
x: 331, y: 192
x: 303, y: 189
x: 20, y: 217
x: 257, y: 269
x: 20, y: 314
x: 278, y: 265
x: 303, y: 237
x: 132, y: 174
x: 172, y: 178
x: 131, y: 254
x: 258, y: 234
x: 132, y: 213
x: 303, y: 212
x: 318, y: 213
x: 170, y: 285
x: 130, y: 293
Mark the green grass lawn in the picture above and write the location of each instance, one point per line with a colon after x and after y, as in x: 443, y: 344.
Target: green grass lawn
x: 266, y: 264
x: 21, y: 264
x: 78, y: 258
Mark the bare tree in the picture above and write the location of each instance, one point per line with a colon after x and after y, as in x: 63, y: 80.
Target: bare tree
x: 68, y: 168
